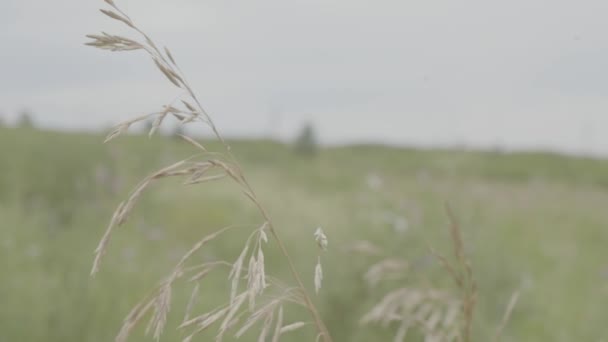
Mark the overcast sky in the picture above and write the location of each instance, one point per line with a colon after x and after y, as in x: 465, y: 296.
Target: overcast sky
x: 518, y: 73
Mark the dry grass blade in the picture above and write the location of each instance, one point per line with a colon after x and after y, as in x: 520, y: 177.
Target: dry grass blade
x: 258, y: 315
x: 389, y: 268
x: 266, y: 327
x: 507, y: 315
x: 251, y: 321
x: 133, y: 318
x: 162, y: 304
x: 402, y: 331
x: 198, y: 180
x: 198, y: 171
x: 293, y: 326
x: 189, y: 106
x: 157, y: 122
x: 201, y: 243
x: 116, y: 132
x: 204, y: 319
x: 279, y: 324
x: 171, y: 75
x: 234, y: 308
x: 103, y: 243
x: 123, y: 127
x: 232, y: 171
x: 116, y: 16
x: 193, y: 142
x: 235, y: 273
x: 191, y: 302
x: 200, y: 275
x: 168, y: 53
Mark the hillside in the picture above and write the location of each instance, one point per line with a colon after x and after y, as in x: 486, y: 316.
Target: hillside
x: 533, y: 222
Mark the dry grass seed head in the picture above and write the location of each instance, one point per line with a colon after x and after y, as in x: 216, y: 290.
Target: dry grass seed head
x: 364, y: 247
x: 162, y: 305
x: 318, y: 275
x: 193, y: 142
x: 168, y: 53
x: 266, y: 327
x: 235, y: 273
x: 431, y: 312
x: 113, y: 43
x: 234, y: 306
x: 279, y: 324
x: 204, y: 321
x: 389, y: 268
x: 191, y: 302
x: 256, y: 273
x: 124, y: 208
x: 264, y: 312
x: 321, y: 239
x: 116, y: 16
x: 132, y: 319
x: 170, y: 74
x: 292, y: 327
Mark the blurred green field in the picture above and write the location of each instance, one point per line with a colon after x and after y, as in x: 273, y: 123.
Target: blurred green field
x: 532, y: 222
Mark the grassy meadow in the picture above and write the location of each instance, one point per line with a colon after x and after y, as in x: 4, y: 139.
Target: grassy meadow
x: 532, y: 222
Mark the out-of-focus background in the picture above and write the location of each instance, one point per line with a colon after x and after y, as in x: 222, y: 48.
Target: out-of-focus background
x: 360, y: 117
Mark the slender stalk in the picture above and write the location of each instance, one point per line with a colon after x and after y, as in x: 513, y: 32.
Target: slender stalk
x: 322, y: 329
x: 309, y: 304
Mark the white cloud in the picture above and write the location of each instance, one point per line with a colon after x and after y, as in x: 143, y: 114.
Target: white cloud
x: 520, y: 73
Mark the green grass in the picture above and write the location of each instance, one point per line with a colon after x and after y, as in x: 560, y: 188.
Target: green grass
x: 532, y: 221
